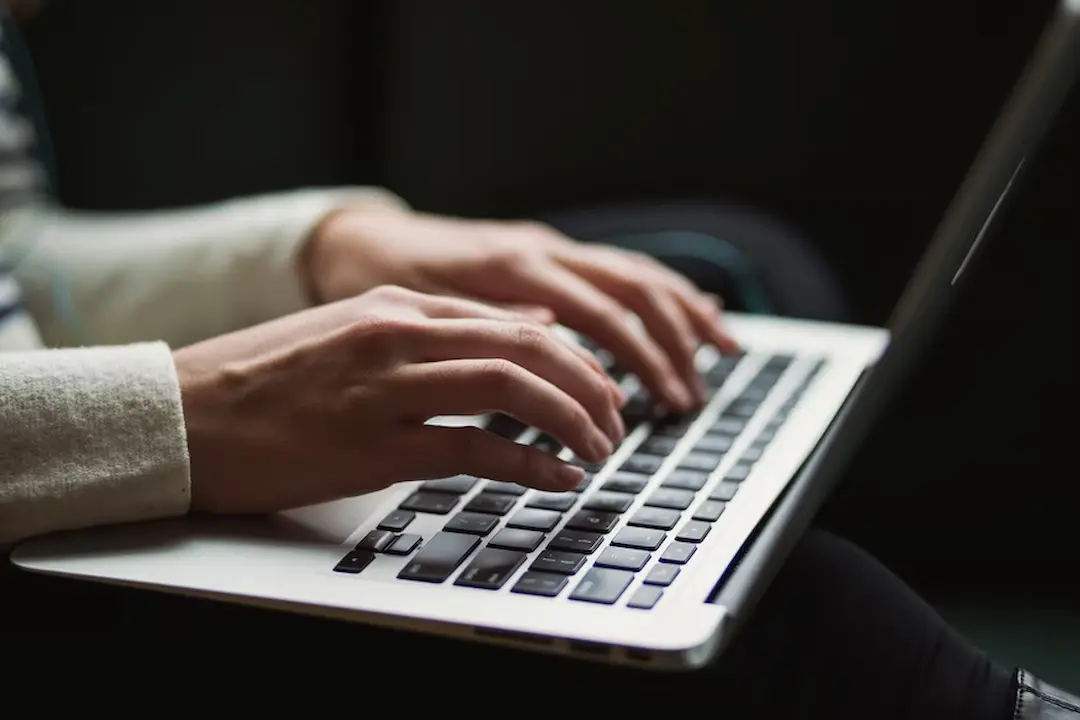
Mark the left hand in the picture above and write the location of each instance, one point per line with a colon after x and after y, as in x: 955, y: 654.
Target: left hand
x: 589, y: 288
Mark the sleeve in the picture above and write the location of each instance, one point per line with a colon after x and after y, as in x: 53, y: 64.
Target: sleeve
x: 178, y: 276
x: 90, y: 437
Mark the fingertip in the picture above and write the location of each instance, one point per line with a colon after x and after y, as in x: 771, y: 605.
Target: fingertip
x: 567, y: 476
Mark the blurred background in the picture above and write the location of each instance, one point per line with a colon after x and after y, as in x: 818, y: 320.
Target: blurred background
x: 852, y: 121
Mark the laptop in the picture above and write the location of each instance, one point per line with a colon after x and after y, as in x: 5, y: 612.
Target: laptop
x: 661, y: 553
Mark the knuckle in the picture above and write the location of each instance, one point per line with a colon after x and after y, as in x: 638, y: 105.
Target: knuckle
x: 391, y: 293
x: 381, y: 339
x: 500, y: 373
x: 530, y: 338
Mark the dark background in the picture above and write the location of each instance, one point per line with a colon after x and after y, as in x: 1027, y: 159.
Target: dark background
x: 853, y: 120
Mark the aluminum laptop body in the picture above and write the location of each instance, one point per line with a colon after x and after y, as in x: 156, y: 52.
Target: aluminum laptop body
x: 654, y: 563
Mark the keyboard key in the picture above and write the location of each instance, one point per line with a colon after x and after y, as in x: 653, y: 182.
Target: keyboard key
x: 577, y: 541
x: 355, y: 562
x: 397, y: 520
x: 751, y: 454
x: 584, y: 484
x: 765, y: 437
x: 700, y: 461
x: 515, y: 539
x: 491, y: 504
x: 645, y: 598
x: 659, y: 445
x: 623, y: 559
x: 740, y: 472
x: 548, y: 444
x: 593, y: 520
x: 375, y: 541
x: 602, y: 585
x: 670, y: 498
x: 504, y: 488
x: 430, y: 502
x: 719, y: 444
x: 472, y: 523
x: 730, y: 427
x: 563, y: 563
x: 658, y: 518
x: 491, y: 568
x: 540, y: 583
x: 724, y: 491
x: 609, y: 502
x: 625, y: 482
x: 678, y: 553
x: 662, y: 575
x: 587, y: 466
x: 686, y: 479
x: 560, y: 502
x: 403, y: 544
x: 534, y: 519
x: 457, y: 485
x: 710, y: 510
x: 639, y: 538
x: 642, y: 464
x: 739, y: 408
x: 440, y: 557
x: 505, y: 426
x: 693, y: 531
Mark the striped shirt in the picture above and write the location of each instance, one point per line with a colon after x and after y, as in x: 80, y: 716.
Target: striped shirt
x: 22, y: 178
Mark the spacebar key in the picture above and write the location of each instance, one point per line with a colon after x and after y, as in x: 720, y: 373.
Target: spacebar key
x: 440, y: 557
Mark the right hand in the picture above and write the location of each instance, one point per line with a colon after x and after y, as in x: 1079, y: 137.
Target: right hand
x: 333, y: 402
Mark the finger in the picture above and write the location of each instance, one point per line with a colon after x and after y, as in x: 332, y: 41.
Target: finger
x: 663, y: 316
x: 580, y: 305
x: 442, y: 306
x: 476, y: 387
x: 431, y: 451
x: 534, y: 348
x: 536, y: 312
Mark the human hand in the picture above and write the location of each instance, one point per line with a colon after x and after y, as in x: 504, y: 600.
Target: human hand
x: 589, y: 288
x: 332, y: 402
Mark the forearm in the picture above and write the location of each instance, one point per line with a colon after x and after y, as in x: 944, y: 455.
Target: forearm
x: 178, y: 276
x: 90, y: 437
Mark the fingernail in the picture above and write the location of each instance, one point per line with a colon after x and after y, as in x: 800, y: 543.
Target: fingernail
x: 617, y: 427
x: 601, y: 446
x: 680, y: 394
x: 569, y: 476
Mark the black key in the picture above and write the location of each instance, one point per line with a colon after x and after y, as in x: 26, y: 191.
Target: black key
x: 752, y: 454
x: 534, y: 519
x: 740, y: 472
x: 563, y: 563
x: 724, y: 491
x: 674, y: 426
x: 587, y: 466
x: 403, y: 544
x: 686, y: 480
x: 731, y: 427
x: 553, y: 501
x: 670, y: 498
x: 662, y: 575
x: 505, y: 426
x: 430, y: 502
x: 540, y: 583
x: 491, y: 568
x: 678, y: 553
x: 780, y: 362
x: 375, y: 541
x: 609, y: 502
x: 765, y: 437
x: 548, y: 444
x: 718, y: 374
x: 504, y: 488
x: 638, y: 409
x: 472, y: 523
x: 710, y: 510
x: 700, y: 461
x: 584, y: 484
x: 639, y: 538
x: 625, y: 482
x: 739, y: 408
x: 491, y: 504
x: 642, y: 464
x: 515, y: 539
x: 593, y: 520
x: 659, y: 445
x: 602, y: 585
x: 658, y: 518
x: 354, y: 562
x: 457, y: 485
x: 397, y: 520
x: 577, y: 541
x: 693, y: 531
x: 438, y: 560
x: 719, y: 444
x: 645, y: 598
x: 622, y: 558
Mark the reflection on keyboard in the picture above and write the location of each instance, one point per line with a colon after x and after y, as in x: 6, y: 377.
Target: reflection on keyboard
x: 652, y: 509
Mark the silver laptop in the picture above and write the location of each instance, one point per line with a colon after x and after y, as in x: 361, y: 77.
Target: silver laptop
x: 665, y: 548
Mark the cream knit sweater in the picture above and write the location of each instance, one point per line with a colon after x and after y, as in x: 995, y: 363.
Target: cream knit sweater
x: 95, y: 435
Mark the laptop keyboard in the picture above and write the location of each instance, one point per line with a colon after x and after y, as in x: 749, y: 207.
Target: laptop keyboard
x: 647, y: 515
